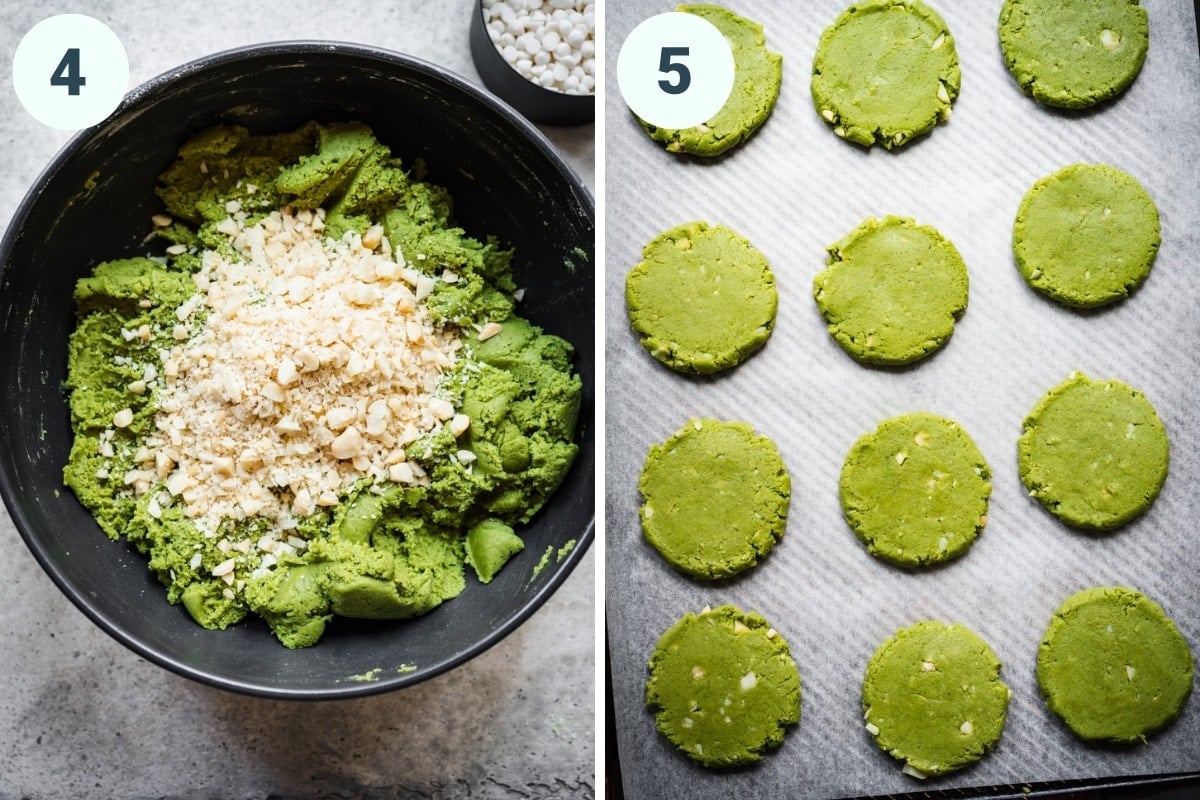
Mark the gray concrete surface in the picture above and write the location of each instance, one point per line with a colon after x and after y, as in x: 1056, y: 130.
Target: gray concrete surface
x: 82, y: 717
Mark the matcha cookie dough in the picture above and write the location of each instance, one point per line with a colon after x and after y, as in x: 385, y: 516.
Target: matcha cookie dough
x: 758, y: 74
x: 915, y: 491
x: 932, y: 697
x: 892, y: 291
x: 320, y: 402
x: 885, y: 72
x: 1093, y: 452
x: 715, y: 498
x: 702, y: 299
x: 723, y: 686
x: 1087, y: 235
x: 1073, y: 53
x: 1113, y: 666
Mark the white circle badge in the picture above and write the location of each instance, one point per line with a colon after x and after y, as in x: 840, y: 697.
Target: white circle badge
x: 675, y: 70
x: 70, y: 71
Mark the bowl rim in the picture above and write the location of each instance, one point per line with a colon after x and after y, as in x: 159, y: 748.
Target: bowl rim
x: 143, y: 93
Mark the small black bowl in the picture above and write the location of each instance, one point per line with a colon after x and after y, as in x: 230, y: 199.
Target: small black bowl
x: 94, y: 203
x: 535, y: 102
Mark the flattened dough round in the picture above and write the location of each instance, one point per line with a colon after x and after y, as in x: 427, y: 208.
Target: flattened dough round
x: 892, y: 291
x: 915, y: 491
x: 915, y: 703
x: 1113, y: 665
x: 723, y: 686
x: 702, y: 299
x: 1093, y: 452
x: 1073, y: 53
x: 1086, y: 235
x: 885, y: 72
x: 757, y: 76
x: 715, y: 498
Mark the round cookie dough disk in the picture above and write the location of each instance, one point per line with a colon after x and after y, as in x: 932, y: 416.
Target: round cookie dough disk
x: 702, y: 299
x: 1093, y: 452
x: 1073, y: 53
x: 892, y: 291
x: 723, y: 686
x: 757, y: 76
x: 885, y: 72
x: 915, y: 491
x: 715, y: 498
x: 1113, y: 666
x: 1086, y: 235
x: 932, y: 698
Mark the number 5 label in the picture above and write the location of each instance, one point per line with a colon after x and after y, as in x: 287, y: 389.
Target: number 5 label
x: 675, y: 70
x: 70, y: 71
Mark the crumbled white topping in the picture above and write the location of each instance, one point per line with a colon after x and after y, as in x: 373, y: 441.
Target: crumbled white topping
x: 315, y: 366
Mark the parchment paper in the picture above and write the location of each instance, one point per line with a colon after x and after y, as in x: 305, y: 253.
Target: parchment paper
x: 795, y: 188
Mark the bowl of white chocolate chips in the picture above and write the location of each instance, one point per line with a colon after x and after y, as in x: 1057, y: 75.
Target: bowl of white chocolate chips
x: 539, y: 56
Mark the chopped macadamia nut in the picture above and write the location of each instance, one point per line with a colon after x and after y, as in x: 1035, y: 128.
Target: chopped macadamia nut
x: 315, y: 365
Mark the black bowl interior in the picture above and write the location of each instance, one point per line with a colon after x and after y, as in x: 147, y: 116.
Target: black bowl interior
x: 93, y: 203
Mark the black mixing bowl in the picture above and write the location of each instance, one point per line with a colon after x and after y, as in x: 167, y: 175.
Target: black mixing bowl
x: 94, y: 203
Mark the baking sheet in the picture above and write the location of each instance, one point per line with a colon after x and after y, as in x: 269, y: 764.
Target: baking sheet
x: 795, y: 188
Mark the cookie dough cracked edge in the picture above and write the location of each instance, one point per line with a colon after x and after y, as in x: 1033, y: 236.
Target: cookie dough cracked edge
x: 700, y: 140
x: 947, y: 91
x: 1037, y: 488
x: 743, y: 623
x: 914, y: 766
x: 1027, y: 78
x: 835, y: 255
x: 1131, y: 597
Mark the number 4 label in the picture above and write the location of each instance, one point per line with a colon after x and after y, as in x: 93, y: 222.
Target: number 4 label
x: 49, y: 71
x: 67, y: 73
x: 675, y: 70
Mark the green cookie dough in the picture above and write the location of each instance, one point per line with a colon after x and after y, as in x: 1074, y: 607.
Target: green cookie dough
x: 757, y: 76
x: 715, y: 498
x: 386, y: 542
x: 1094, y: 453
x: 702, y: 299
x: 932, y: 697
x: 886, y: 72
x: 1113, y: 666
x: 723, y: 686
x: 915, y: 491
x: 1086, y: 235
x: 490, y: 544
x: 1073, y: 53
x: 892, y: 291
